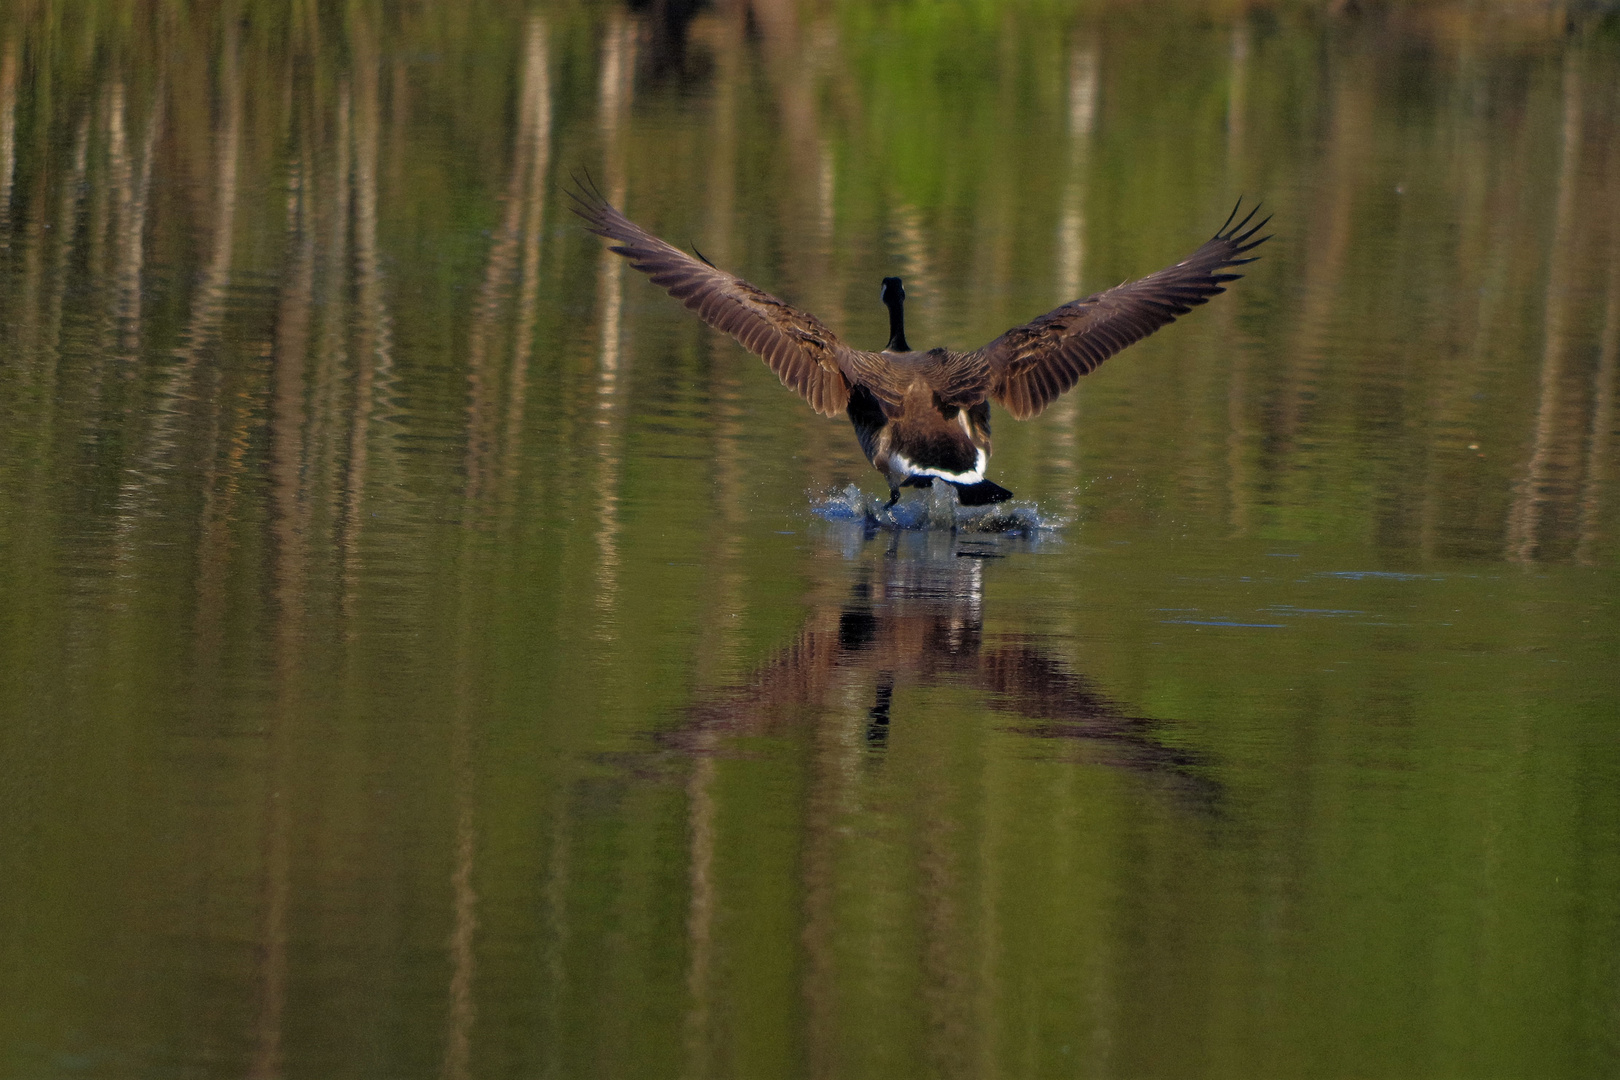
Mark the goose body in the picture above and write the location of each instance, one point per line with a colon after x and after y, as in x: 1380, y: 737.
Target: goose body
x: 923, y: 416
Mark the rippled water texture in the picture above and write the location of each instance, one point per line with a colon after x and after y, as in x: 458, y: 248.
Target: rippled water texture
x: 426, y: 650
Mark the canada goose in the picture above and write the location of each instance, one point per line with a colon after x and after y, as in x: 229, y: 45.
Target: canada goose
x: 922, y: 416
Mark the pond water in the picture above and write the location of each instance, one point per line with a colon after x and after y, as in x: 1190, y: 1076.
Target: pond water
x: 426, y: 649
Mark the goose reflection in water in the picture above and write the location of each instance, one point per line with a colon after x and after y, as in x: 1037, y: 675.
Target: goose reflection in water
x: 913, y: 616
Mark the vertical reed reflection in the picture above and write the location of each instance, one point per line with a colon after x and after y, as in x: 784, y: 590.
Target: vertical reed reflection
x: 130, y: 182
x: 175, y: 389
x: 827, y: 446
x: 1237, y: 95
x: 1599, y: 451
x: 64, y: 232
x: 130, y: 244
x: 537, y: 101
x: 289, y: 525
x: 8, y: 136
x: 1547, y: 456
x: 794, y: 56
x: 516, y: 250
x: 464, y: 898
x: 373, y: 324
x: 1063, y: 458
x: 483, y: 385
x: 330, y: 453
x: 724, y: 392
x: 375, y: 345
x: 1239, y: 482
x: 25, y: 322
x: 1338, y: 176
x: 1071, y: 228
x: 100, y: 246
x: 229, y: 417
x: 614, y: 94
x: 700, y: 825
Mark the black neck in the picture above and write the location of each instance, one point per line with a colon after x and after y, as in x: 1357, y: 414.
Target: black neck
x: 897, y: 327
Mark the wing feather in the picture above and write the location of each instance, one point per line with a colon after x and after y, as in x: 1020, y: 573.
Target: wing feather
x: 807, y: 356
x: 1029, y: 366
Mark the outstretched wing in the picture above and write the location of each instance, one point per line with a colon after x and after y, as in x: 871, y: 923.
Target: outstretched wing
x: 1030, y: 365
x: 806, y: 356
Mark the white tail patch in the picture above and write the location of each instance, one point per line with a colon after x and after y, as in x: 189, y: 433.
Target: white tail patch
x: 973, y: 476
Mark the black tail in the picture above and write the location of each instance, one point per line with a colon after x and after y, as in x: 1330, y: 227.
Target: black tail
x: 983, y: 493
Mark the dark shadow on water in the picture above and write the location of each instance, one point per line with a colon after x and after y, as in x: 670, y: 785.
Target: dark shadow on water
x: 912, y: 615
x: 665, y: 25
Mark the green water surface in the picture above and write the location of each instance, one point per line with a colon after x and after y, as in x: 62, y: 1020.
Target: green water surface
x: 420, y: 653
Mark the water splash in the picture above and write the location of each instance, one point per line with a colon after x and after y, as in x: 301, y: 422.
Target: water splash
x: 935, y: 510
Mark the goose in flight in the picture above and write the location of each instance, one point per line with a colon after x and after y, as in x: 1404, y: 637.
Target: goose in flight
x: 923, y: 416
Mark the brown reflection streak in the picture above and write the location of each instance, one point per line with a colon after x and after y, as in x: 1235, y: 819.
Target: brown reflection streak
x: 66, y: 216
x: 1490, y: 262
x: 98, y: 199
x: 530, y: 151
x: 700, y: 909
x: 731, y: 595
x: 834, y: 754
x: 778, y: 24
x: 1532, y: 494
x: 8, y: 137
x: 917, y: 264
x: 25, y: 329
x: 948, y: 940
x: 829, y: 451
x: 1239, y: 482
x: 208, y: 306
x: 224, y: 450
x: 1599, y: 455
x: 131, y: 233
x: 328, y: 424
x: 36, y: 359
x: 289, y: 511
x: 808, y: 242
x: 464, y: 899
x: 354, y: 482
x: 98, y: 215
x: 503, y: 256
x: 537, y: 85
x: 996, y: 232
x: 987, y: 987
x: 374, y: 327
x: 725, y: 389
x: 614, y: 95
x: 1071, y: 230
x: 1063, y: 458
x: 1339, y: 172
x: 1237, y: 101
